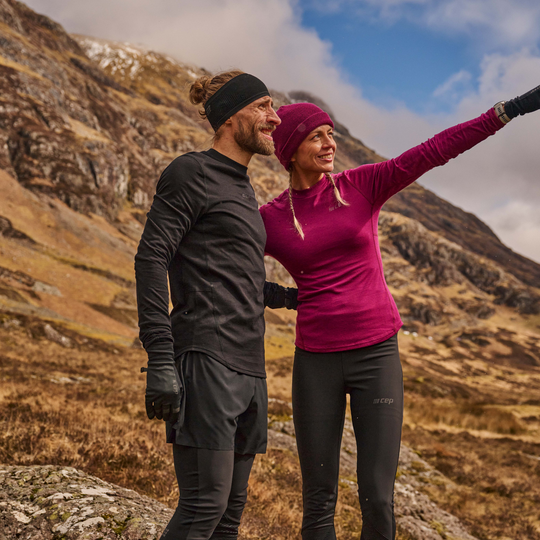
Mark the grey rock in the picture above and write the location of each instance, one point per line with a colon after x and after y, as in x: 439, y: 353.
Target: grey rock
x: 45, y: 288
x: 50, y: 502
x: 57, y: 337
x: 414, y: 510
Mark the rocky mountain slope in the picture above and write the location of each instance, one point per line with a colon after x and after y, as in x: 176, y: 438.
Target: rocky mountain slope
x: 463, y: 228
x: 86, y: 126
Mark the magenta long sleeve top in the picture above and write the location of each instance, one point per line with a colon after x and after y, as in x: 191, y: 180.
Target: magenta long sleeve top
x: 345, y: 302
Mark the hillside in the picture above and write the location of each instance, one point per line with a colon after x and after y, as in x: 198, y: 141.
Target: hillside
x: 86, y: 126
x: 463, y: 228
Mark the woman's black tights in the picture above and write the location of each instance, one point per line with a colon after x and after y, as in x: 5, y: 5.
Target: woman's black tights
x: 373, y: 378
x: 213, y: 491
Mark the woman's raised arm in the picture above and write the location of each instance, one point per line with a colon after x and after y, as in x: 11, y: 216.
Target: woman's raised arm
x: 379, y: 181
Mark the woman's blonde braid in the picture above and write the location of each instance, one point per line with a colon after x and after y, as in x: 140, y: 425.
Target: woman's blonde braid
x: 337, y: 194
x: 336, y: 190
x: 297, y: 225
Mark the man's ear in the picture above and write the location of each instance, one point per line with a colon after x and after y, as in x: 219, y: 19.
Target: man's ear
x: 229, y: 124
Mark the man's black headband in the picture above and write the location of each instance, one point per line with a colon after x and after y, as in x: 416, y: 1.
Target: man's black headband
x: 233, y: 96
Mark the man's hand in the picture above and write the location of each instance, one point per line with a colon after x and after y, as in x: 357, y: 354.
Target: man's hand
x: 163, y: 390
x: 523, y: 104
x: 277, y: 296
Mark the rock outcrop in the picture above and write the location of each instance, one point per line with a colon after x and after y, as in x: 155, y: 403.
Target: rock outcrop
x: 441, y: 262
x: 69, y: 130
x: 462, y: 228
x: 48, y: 502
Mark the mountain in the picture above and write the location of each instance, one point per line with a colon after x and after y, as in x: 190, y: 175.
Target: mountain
x: 86, y: 126
x: 463, y: 228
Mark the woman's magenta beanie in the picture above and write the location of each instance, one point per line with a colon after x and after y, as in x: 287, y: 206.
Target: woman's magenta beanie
x: 297, y: 121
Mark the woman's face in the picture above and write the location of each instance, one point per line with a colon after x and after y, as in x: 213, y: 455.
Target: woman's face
x: 317, y: 151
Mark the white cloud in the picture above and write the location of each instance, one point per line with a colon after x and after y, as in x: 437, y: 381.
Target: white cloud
x: 387, y: 10
x: 518, y: 224
x: 507, y: 163
x: 489, y: 23
x: 508, y: 22
x: 457, y: 79
x: 454, y: 88
x: 263, y: 36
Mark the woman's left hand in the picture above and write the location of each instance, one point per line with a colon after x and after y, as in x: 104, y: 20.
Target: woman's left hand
x: 524, y: 104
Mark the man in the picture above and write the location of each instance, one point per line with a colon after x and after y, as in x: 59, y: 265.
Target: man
x: 205, y: 374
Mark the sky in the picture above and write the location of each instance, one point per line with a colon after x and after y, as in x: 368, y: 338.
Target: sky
x: 395, y: 72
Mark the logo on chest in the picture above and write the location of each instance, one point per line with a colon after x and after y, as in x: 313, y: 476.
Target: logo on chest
x: 337, y: 205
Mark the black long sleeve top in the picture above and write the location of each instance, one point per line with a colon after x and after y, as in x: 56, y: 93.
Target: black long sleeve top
x: 204, y: 230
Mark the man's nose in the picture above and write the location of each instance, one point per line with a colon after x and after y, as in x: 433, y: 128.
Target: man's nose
x: 274, y: 118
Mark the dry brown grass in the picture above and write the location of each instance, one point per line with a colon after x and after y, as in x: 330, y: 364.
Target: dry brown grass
x: 476, y: 419
x: 465, y: 415
x: 83, y: 407
x: 498, y: 481
x: 484, y: 436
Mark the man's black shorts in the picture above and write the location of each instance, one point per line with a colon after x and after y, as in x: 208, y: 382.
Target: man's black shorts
x: 224, y: 409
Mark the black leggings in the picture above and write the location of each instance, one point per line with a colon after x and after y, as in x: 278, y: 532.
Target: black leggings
x: 213, y: 491
x: 373, y: 378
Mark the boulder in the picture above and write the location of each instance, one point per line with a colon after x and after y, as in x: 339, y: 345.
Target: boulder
x: 46, y: 502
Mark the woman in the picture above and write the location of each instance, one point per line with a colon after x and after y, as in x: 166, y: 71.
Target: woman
x: 323, y: 229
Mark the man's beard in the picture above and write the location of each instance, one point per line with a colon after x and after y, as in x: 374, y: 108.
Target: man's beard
x: 251, y: 139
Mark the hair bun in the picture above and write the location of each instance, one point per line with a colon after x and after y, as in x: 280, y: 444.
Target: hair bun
x: 198, y: 90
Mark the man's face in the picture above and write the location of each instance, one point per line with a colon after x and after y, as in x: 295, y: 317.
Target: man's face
x: 253, y: 126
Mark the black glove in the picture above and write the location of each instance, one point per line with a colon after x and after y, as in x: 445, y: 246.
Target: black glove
x: 163, y: 390
x: 277, y: 296
x: 526, y: 103
x: 291, y: 298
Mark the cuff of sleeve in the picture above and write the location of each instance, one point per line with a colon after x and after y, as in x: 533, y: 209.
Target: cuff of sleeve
x: 500, y: 112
